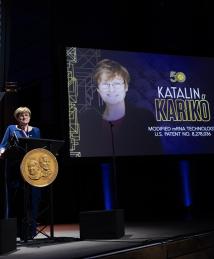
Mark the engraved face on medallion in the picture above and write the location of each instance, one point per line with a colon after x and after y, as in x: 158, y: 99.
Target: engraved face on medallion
x: 34, y: 170
x: 45, y: 163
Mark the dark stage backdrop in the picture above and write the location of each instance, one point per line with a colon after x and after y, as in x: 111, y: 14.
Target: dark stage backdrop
x: 169, y: 105
x: 148, y: 186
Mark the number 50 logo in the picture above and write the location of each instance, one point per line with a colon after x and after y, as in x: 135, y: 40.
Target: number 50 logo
x: 177, y: 77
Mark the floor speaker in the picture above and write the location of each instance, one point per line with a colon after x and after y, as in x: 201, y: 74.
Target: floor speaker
x: 102, y: 224
x: 7, y: 235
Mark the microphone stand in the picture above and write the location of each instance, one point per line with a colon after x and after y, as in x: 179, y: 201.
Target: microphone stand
x: 115, y: 202
x: 6, y: 205
x: 12, y: 142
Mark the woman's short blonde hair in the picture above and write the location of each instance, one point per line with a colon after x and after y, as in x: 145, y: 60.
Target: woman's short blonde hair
x: 20, y: 110
x: 112, y: 68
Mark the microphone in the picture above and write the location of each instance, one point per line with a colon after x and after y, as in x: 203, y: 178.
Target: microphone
x: 13, y: 140
x: 16, y: 138
x: 111, y: 124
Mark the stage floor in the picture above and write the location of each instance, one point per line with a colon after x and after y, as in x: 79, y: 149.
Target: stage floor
x: 138, y: 237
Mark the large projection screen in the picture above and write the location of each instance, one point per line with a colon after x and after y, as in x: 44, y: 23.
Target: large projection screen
x: 169, y: 103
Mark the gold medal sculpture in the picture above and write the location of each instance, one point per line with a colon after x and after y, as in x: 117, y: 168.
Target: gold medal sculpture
x: 39, y: 167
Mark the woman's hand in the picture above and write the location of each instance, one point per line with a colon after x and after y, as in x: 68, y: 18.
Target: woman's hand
x: 2, y: 150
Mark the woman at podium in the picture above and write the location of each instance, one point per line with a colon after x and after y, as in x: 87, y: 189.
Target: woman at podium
x: 14, y: 182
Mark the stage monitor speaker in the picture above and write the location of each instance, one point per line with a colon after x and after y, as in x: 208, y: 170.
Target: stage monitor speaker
x: 103, y: 224
x: 8, y: 232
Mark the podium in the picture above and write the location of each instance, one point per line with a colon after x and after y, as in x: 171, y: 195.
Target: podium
x: 22, y: 146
